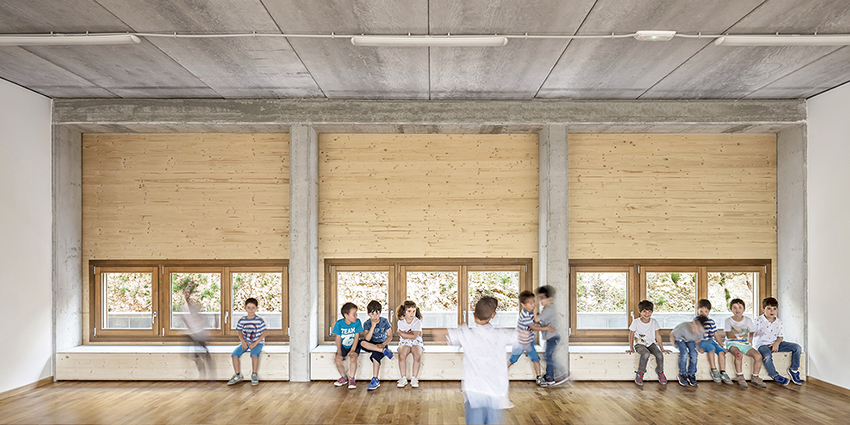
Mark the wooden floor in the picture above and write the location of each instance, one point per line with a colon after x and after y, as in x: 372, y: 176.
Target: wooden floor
x: 432, y: 403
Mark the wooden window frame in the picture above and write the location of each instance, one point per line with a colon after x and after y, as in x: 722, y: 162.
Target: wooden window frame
x: 397, y: 291
x: 161, y: 303
x: 636, y: 291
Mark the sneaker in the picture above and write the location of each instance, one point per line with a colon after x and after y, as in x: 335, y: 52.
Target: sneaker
x: 255, y: 380
x: 549, y: 382
x: 725, y: 377
x: 795, y: 377
x: 402, y: 382
x: 414, y: 382
x: 639, y: 379
x: 662, y: 379
x: 351, y: 383
x: 374, y: 384
x: 388, y: 353
x: 715, y: 375
x: 561, y: 379
x: 781, y: 380
x: 341, y: 381
x: 692, y: 381
x: 683, y: 380
x: 237, y: 378
x: 541, y: 381
x: 741, y: 381
x: 757, y: 381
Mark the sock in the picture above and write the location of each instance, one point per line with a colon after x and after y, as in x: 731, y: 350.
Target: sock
x: 741, y: 373
x: 716, y: 368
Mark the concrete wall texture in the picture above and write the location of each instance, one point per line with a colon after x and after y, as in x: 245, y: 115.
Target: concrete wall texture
x: 26, y: 309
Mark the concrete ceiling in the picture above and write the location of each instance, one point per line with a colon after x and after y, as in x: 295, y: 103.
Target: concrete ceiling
x: 335, y: 69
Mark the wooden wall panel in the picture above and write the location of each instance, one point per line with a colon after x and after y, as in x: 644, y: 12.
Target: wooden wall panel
x: 672, y: 196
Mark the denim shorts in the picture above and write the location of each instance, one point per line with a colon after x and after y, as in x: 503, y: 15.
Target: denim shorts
x: 528, y: 349
x: 255, y: 352
x: 711, y: 346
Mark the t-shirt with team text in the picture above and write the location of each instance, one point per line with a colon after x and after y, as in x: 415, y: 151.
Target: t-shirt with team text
x: 251, y: 328
x: 346, y: 331
x: 526, y: 319
x: 741, y: 330
x: 767, y: 332
x: 644, y: 332
x: 414, y: 326
x: 379, y: 335
x: 710, y: 329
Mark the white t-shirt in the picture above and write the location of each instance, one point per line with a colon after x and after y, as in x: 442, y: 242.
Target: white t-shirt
x: 644, y: 332
x: 767, y: 332
x: 485, y: 371
x: 414, y: 326
x: 741, y: 329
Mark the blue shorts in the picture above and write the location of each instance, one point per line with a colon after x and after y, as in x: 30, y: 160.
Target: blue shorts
x: 255, y: 352
x: 520, y: 348
x: 711, y: 346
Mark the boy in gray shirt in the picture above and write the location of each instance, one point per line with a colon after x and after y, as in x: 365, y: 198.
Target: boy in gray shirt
x: 555, y: 374
x: 685, y: 336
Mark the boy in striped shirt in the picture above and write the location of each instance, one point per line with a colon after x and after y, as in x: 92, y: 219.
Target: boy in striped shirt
x: 525, y: 335
x: 252, y: 335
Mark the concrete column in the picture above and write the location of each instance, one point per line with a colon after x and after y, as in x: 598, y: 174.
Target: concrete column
x: 553, y: 254
x: 303, y: 249
x: 67, y: 240
x: 791, y: 235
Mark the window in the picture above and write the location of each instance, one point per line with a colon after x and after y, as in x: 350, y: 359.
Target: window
x: 605, y: 293
x: 149, y: 301
x: 445, y: 290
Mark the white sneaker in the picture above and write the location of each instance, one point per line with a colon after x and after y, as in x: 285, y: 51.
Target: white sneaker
x: 414, y: 382
x: 402, y: 382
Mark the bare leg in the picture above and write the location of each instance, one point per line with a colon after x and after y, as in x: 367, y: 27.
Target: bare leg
x: 369, y: 346
x: 376, y: 367
x: 721, y: 356
x: 739, y: 358
x: 339, y: 365
x: 255, y: 363
x: 237, y: 367
x: 403, y: 351
x: 353, y: 364
x: 756, y: 360
x: 710, y: 356
x: 417, y: 359
x: 536, y: 368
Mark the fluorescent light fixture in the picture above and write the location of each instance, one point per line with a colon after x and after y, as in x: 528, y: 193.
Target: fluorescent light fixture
x: 429, y: 41
x: 655, y: 35
x: 784, y: 40
x: 66, y: 40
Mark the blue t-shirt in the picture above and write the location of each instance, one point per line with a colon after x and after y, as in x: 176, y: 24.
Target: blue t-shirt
x: 379, y: 335
x: 347, y: 331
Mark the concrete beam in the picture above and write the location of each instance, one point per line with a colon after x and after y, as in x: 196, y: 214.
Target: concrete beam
x: 303, y: 249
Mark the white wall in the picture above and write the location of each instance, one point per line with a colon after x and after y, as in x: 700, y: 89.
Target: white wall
x: 26, y: 220
x: 828, y: 218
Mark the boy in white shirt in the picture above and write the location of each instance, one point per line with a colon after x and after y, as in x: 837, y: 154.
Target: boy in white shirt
x: 645, y: 339
x: 485, y: 372
x: 770, y: 338
x: 739, y: 329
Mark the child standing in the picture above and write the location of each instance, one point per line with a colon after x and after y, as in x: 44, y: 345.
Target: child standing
x: 739, y: 329
x: 252, y: 335
x: 346, y: 330
x: 409, y: 341
x: 770, y: 338
x: 710, y: 344
x: 555, y: 374
x: 485, y: 374
x: 525, y: 335
x: 685, y: 337
x: 645, y: 339
x: 376, y: 336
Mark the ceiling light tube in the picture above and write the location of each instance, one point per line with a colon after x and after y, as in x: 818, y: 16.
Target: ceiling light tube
x: 429, y: 41
x: 67, y: 40
x: 784, y: 40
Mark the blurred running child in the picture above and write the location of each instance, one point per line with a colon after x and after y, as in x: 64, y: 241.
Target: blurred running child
x: 555, y: 372
x: 685, y: 336
x: 409, y: 341
x: 377, y: 334
x: 252, y: 335
x: 346, y: 331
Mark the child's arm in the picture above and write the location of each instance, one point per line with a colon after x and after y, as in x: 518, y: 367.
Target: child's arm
x: 631, y: 342
x: 353, y: 352
x: 440, y: 334
x: 536, y: 328
x: 242, y: 340
x: 262, y: 335
x: 389, y: 338
x: 661, y: 342
x: 368, y: 336
x: 672, y: 340
x: 775, y: 346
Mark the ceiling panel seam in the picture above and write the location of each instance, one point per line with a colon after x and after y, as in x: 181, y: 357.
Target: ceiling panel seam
x: 70, y: 72
x: 791, y: 72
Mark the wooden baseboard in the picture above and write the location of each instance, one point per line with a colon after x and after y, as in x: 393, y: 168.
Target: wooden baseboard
x: 25, y: 388
x: 827, y: 386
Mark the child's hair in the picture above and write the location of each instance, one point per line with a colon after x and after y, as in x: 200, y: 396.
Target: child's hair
x: 737, y: 301
x: 769, y: 301
x: 251, y: 301
x: 645, y: 305
x: 546, y: 291
x: 404, y: 306
x: 701, y: 320
x: 704, y: 303
x: 346, y: 308
x: 485, y: 307
x: 373, y: 307
x: 524, y: 296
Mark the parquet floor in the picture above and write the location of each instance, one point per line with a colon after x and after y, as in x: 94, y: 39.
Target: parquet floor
x: 432, y: 403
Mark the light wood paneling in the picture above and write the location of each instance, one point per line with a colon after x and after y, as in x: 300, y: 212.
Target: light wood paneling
x: 427, y: 195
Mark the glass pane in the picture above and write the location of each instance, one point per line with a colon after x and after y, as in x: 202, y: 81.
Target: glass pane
x: 674, y: 295
x: 601, y: 300
x: 723, y: 287
x: 503, y: 286
x: 202, y: 289
x: 266, y: 288
x: 127, y: 300
x: 360, y: 288
x: 435, y: 293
